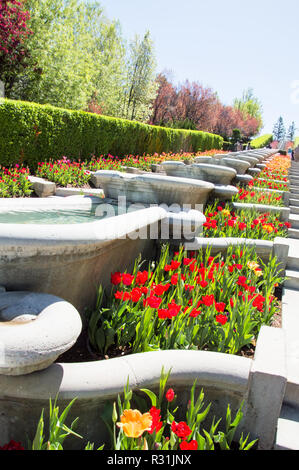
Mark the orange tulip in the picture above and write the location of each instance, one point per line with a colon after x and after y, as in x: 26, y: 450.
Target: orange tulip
x: 134, y: 424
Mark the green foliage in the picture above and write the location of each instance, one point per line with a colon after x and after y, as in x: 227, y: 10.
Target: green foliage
x: 250, y: 106
x: 296, y: 142
x: 261, y: 141
x: 58, y: 430
x: 75, y: 54
x: 30, y: 133
x: 164, y: 435
x: 291, y: 132
x: 170, y: 318
x: 140, y: 86
x: 279, y: 131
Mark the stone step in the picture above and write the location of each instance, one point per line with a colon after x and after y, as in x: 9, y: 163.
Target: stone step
x: 292, y: 281
x: 294, y: 202
x: 294, y: 190
x: 290, y: 325
x: 294, y: 221
x: 294, y: 209
x: 293, y: 255
x: 293, y: 233
x: 287, y: 435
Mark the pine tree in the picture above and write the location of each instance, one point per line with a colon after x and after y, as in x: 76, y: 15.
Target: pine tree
x: 279, y: 131
x: 291, y: 132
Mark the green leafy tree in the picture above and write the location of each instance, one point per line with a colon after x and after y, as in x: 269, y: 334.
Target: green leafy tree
x: 76, y: 54
x: 250, y: 106
x: 140, y: 86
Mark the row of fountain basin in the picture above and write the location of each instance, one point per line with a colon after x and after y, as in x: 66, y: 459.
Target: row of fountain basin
x: 50, y: 273
x: 211, y: 176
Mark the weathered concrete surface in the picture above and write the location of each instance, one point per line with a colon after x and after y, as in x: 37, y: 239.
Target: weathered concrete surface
x: 153, y: 188
x: 34, y: 330
x: 42, y: 187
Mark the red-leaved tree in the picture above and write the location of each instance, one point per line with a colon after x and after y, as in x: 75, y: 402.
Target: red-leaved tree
x: 13, y: 34
x: 164, y: 106
x: 200, y: 106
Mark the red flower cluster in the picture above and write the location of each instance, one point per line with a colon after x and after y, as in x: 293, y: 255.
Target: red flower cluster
x: 221, y: 219
x: 192, y: 445
x: 156, y: 423
x: 181, y: 429
x: 12, y: 445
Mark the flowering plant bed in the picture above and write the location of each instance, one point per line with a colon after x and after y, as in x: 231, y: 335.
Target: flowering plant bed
x: 277, y: 168
x: 258, y: 197
x: 222, y: 221
x: 142, y: 162
x: 264, y: 183
x: 158, y: 428
x: 186, y: 301
x: 64, y: 172
x: 14, y: 182
x: 147, y: 421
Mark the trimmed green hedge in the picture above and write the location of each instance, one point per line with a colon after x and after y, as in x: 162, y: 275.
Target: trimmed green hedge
x: 296, y: 143
x: 261, y: 141
x: 30, y: 133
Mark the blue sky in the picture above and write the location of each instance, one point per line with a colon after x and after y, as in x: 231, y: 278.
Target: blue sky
x: 228, y: 45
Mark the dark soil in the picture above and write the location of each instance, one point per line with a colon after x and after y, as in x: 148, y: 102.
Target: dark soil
x: 82, y: 352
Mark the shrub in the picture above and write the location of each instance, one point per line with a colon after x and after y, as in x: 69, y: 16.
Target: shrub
x: 261, y: 141
x: 30, y: 132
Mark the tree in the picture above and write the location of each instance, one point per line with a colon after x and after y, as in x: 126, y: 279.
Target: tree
x: 14, y: 33
x: 189, y: 105
x: 291, y: 132
x: 164, y: 106
x: 77, y: 57
x: 279, y: 131
x: 140, y: 85
x: 196, y: 104
x: 250, y: 107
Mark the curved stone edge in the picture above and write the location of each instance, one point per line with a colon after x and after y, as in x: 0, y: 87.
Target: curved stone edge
x: 107, y: 378
x: 101, y: 231
x: 35, y: 345
x: 259, y: 382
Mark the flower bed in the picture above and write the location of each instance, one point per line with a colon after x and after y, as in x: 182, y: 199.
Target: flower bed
x: 258, y: 197
x: 278, y: 166
x: 264, y: 183
x: 186, y: 301
x: 64, y: 172
x: 274, y: 176
x: 161, y: 425
x: 14, y: 182
x: 222, y: 221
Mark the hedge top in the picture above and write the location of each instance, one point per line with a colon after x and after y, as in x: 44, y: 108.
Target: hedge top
x: 31, y: 132
x: 261, y: 141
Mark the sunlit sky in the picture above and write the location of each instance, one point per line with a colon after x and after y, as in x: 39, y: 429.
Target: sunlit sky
x: 227, y: 45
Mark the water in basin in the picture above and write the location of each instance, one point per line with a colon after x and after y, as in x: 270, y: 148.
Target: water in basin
x: 48, y: 217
